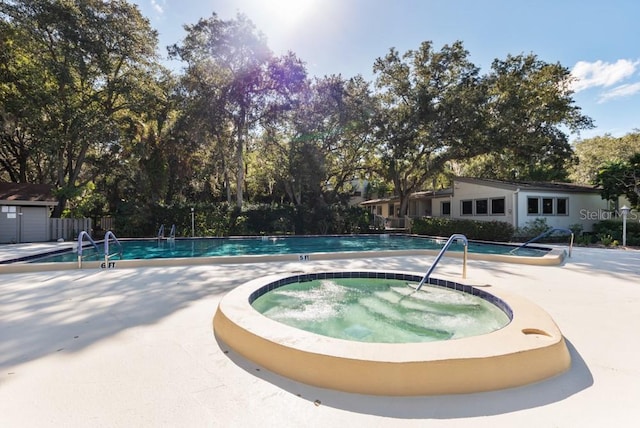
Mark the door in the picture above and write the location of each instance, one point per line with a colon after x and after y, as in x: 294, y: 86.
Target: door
x: 33, y: 224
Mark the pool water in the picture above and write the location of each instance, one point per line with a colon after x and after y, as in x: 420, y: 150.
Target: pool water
x: 213, y: 247
x: 380, y: 310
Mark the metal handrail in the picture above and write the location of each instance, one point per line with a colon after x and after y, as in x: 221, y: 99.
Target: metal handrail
x: 548, y: 232
x: 450, y: 241
x: 161, y: 232
x: 107, y: 236
x: 172, y: 234
x: 81, y: 236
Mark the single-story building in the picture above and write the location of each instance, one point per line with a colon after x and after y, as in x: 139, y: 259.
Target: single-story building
x: 24, y: 212
x: 517, y: 203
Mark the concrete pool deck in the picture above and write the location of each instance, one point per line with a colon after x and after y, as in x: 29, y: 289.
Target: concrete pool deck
x: 135, y: 347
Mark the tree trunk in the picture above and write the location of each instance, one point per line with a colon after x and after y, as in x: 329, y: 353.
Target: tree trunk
x: 241, y: 132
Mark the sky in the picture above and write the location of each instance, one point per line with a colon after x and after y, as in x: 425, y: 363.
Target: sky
x: 597, y: 40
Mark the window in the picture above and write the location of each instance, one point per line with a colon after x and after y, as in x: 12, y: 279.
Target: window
x: 497, y: 206
x: 467, y: 207
x: 547, y: 206
x: 561, y: 206
x: 445, y: 208
x: 482, y: 206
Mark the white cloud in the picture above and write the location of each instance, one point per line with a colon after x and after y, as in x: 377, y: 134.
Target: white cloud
x: 158, y: 6
x: 620, y: 91
x: 602, y: 74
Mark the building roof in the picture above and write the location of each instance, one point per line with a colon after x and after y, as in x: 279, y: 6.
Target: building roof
x: 26, y: 194
x: 380, y: 201
x: 549, y: 186
x: 428, y: 194
x: 432, y: 194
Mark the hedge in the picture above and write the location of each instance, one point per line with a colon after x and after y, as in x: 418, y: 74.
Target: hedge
x: 479, y: 230
x: 613, y: 229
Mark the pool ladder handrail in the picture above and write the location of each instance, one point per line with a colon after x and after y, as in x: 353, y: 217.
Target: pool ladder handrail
x: 546, y: 233
x: 172, y: 233
x: 84, y: 234
x: 107, y: 238
x: 450, y: 241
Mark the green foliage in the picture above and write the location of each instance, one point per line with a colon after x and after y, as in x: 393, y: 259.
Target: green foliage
x: 431, y: 110
x: 77, y: 71
x: 472, y: 229
x: 233, y: 82
x: 529, y: 108
x: 577, y: 229
x: 532, y: 229
x: 609, y: 230
x: 264, y: 220
x: 621, y: 179
x: 605, y: 239
x: 585, y: 239
x: 595, y: 153
x: 224, y: 219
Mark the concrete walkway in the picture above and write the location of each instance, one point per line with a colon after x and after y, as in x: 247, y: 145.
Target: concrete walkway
x: 15, y: 251
x: 135, y: 347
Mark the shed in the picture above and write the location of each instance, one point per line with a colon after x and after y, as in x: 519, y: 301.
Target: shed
x: 24, y: 212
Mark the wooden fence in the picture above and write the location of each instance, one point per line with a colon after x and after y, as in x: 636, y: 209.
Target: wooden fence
x: 68, y: 228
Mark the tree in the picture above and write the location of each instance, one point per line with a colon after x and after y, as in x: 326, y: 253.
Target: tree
x: 621, y: 178
x: 431, y: 111
x: 309, y: 155
x: 21, y: 98
x: 594, y: 153
x: 530, y: 105
x: 236, y: 79
x: 94, y: 61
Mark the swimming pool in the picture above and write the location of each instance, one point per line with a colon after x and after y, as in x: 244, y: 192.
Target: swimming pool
x: 201, y: 251
x: 137, y: 249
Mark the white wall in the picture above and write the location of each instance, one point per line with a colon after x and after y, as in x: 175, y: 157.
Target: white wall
x: 584, y: 208
x: 436, y: 206
x: 472, y: 191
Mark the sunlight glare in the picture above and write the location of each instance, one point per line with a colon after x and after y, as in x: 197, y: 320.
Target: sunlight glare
x: 288, y: 13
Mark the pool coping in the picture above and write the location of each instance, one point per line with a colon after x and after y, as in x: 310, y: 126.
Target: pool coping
x: 529, y: 349
x: 553, y: 258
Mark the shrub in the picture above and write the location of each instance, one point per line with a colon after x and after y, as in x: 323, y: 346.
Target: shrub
x: 532, y: 229
x: 472, y: 229
x: 613, y: 229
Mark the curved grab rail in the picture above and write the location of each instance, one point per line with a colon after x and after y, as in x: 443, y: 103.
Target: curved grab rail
x: 84, y: 234
x: 450, y: 241
x: 107, y: 238
x: 172, y: 234
x: 161, y: 232
x: 548, y: 232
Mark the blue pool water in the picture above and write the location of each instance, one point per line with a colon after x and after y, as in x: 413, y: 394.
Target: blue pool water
x: 213, y: 247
